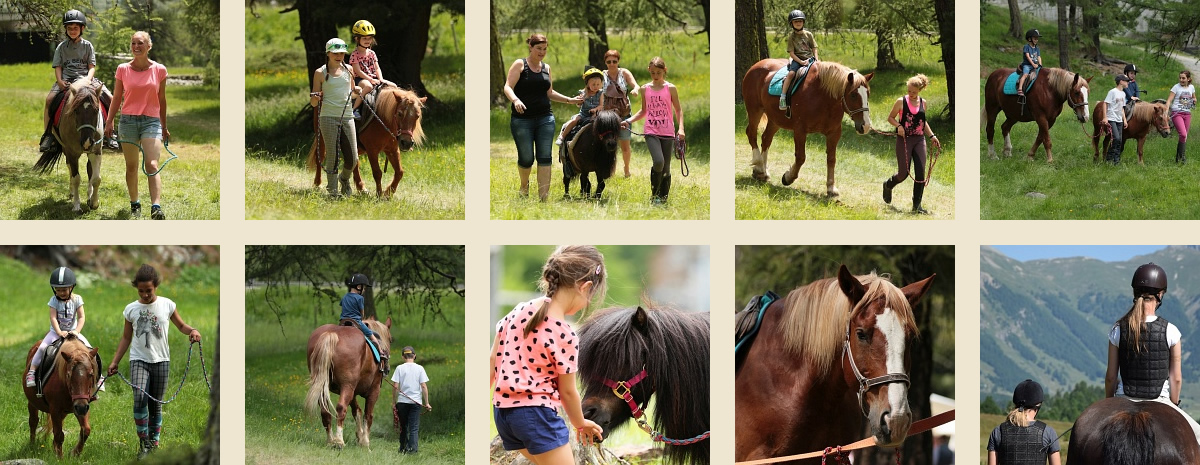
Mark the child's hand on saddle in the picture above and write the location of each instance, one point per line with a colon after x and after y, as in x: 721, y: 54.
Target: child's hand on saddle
x: 593, y: 111
x: 63, y: 85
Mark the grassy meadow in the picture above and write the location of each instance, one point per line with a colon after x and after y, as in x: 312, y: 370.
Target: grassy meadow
x: 278, y: 186
x: 191, y: 183
x: 624, y: 198
x: 1076, y: 188
x: 863, y: 162
x: 113, y: 439
x: 279, y: 431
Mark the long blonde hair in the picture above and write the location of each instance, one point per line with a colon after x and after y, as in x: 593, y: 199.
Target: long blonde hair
x: 1016, y: 416
x: 1135, y: 318
x: 570, y: 265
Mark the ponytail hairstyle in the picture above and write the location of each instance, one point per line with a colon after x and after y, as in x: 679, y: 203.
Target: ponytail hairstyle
x: 919, y: 81
x: 657, y: 62
x: 1187, y: 73
x: 146, y: 274
x: 1135, y: 318
x: 535, y: 39
x: 570, y: 266
x: 1016, y: 416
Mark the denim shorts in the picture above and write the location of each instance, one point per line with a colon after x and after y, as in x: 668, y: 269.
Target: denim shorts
x: 793, y: 65
x: 535, y: 140
x: 537, y: 429
x: 138, y: 127
x: 1026, y: 68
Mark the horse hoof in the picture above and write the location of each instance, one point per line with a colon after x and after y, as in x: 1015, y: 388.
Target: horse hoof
x: 785, y: 180
x: 833, y: 193
x: 761, y: 176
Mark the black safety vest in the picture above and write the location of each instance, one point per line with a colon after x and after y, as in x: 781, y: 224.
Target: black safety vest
x: 1021, y: 446
x: 1144, y: 371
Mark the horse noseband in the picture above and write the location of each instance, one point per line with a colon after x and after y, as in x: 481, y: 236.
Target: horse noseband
x: 864, y: 383
x: 623, y: 389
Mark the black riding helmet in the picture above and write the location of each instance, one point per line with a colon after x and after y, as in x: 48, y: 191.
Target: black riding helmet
x: 794, y: 15
x: 1149, y: 279
x: 1033, y: 33
x: 358, y: 279
x: 1028, y: 394
x: 74, y: 17
x: 62, y: 277
x: 1130, y: 68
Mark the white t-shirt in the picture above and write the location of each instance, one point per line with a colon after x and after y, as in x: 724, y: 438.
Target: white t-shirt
x: 66, y: 311
x: 1185, y: 98
x: 1116, y: 105
x: 150, y: 322
x: 1173, y: 337
x: 409, y: 376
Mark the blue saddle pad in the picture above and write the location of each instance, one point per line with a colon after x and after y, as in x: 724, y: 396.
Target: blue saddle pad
x: 1010, y: 84
x: 775, y: 87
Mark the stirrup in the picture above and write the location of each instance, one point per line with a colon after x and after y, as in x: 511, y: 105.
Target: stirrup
x: 1021, y: 99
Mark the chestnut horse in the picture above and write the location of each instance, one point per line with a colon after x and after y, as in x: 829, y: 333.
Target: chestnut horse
x: 1144, y: 116
x: 628, y: 355
x: 1119, y: 431
x: 830, y: 91
x: 340, y: 361
x: 826, y: 357
x: 68, y: 389
x: 1043, y: 103
x: 393, y: 126
x: 79, y: 131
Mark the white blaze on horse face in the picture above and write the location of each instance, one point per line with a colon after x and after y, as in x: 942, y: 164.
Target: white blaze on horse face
x: 893, y: 334
x: 1087, y: 114
x: 862, y: 93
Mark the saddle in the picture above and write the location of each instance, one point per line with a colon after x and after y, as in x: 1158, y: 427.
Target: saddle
x: 567, y: 150
x: 759, y: 304
x: 1010, y: 84
x: 379, y: 357
x: 776, y: 85
x: 367, y: 111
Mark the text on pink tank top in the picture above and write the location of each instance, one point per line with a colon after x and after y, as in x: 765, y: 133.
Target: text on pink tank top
x: 660, y: 114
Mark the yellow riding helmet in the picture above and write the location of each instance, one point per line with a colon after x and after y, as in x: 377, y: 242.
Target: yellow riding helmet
x: 363, y: 28
x: 588, y: 73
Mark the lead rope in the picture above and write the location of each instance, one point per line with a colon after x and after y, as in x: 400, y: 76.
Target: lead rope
x: 181, y: 381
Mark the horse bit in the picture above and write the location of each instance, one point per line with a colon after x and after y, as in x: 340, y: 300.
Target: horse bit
x: 623, y: 389
x: 864, y: 383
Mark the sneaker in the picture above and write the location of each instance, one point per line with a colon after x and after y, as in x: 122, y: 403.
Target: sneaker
x: 558, y: 141
x: 101, y: 383
x: 135, y: 209
x: 112, y: 144
x: 29, y: 379
x: 156, y: 212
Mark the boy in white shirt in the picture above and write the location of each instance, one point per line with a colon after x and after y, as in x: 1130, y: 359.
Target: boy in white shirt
x: 408, y: 382
x: 1115, y: 114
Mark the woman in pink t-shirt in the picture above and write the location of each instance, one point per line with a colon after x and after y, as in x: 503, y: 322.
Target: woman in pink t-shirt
x: 660, y: 107
x: 140, y: 94
x: 534, y: 359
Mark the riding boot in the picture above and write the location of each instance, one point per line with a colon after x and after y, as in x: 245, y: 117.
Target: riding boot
x: 543, y: 180
x: 918, y: 193
x: 1181, y: 153
x: 656, y: 178
x: 664, y: 187
x: 887, y: 190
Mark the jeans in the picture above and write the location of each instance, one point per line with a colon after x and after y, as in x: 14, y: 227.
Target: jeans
x: 137, y: 127
x: 534, y: 138
x: 410, y: 425
x: 1118, y: 142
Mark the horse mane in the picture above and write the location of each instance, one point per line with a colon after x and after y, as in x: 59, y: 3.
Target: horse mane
x: 385, y: 334
x: 81, y: 91
x: 69, y: 347
x: 833, y: 78
x: 816, y: 315
x: 606, y: 120
x: 1145, y: 110
x: 388, y: 107
x: 673, y: 346
x: 1128, y: 438
x: 1061, y: 81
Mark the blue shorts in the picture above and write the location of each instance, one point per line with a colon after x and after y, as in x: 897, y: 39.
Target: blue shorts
x: 138, y: 127
x: 536, y: 429
x: 1026, y: 68
x: 794, y: 65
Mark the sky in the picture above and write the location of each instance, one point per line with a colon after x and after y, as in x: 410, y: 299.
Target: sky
x: 1108, y: 253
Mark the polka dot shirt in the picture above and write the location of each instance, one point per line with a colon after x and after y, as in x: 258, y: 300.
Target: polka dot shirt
x: 528, y: 366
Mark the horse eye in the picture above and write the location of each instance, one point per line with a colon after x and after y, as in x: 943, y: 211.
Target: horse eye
x: 862, y: 336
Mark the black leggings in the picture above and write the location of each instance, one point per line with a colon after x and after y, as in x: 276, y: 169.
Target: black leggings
x: 661, y: 150
x: 915, y: 156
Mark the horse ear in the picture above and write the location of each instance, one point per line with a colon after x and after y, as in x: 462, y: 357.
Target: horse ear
x: 868, y: 76
x: 388, y: 323
x: 914, y: 291
x: 851, y: 286
x: 639, y: 318
x: 423, y: 99
x: 1089, y: 80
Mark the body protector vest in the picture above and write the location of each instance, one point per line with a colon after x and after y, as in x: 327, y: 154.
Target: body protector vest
x: 1144, y: 369
x: 1021, y: 446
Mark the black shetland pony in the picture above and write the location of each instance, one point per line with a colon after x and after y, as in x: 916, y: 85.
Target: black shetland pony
x: 593, y: 151
x: 1119, y: 431
x: 628, y: 355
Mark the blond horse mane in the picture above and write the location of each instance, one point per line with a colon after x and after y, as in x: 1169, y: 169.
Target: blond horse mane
x: 385, y: 334
x: 66, y: 351
x: 387, y: 106
x: 833, y: 78
x: 1061, y: 80
x: 815, y: 318
x: 1145, y: 110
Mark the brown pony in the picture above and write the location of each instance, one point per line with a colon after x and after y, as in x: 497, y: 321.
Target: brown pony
x: 339, y: 361
x: 1119, y: 431
x: 393, y: 126
x: 79, y: 130
x: 1043, y: 103
x: 830, y: 91
x: 826, y: 356
x: 68, y: 389
x: 1144, y: 116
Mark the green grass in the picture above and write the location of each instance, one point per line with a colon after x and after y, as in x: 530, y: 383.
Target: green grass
x: 113, y: 438
x: 191, y: 183
x: 279, y: 431
x: 863, y: 162
x: 278, y: 186
x: 626, y: 198
x: 1075, y: 187
x: 988, y: 422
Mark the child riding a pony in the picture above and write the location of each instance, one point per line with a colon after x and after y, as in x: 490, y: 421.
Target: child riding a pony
x: 66, y: 317
x: 367, y: 73
x: 1031, y: 59
x: 353, y: 304
x: 74, y: 58
x: 802, y: 51
x: 593, y: 100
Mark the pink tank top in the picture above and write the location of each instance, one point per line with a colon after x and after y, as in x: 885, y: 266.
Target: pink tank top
x: 660, y: 114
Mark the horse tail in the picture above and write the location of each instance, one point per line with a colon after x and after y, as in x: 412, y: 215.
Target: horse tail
x: 320, y: 365
x: 1128, y: 439
x: 48, y: 160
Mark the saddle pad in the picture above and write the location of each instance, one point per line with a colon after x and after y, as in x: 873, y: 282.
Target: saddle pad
x: 1010, y: 84
x: 759, y: 303
x: 776, y: 85
x: 60, y: 103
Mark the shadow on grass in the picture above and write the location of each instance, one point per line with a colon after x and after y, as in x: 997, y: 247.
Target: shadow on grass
x: 781, y: 192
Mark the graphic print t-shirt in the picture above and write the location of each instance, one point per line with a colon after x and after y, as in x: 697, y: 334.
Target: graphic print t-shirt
x: 528, y: 366
x: 66, y: 311
x: 150, y: 322
x: 1185, y: 98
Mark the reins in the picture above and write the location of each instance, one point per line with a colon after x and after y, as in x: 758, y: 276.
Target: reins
x: 838, y: 452
x: 181, y: 381
x: 680, y: 151
x: 623, y: 390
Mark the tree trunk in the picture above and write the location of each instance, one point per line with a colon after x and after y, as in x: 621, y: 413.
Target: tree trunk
x: 1091, y: 29
x: 597, y: 34
x: 885, y: 51
x: 750, y: 40
x: 1074, y: 20
x: 401, y: 61
x: 1064, y: 40
x: 707, y: 23
x: 499, y: 72
x: 315, y: 29
x: 368, y: 298
x: 944, y: 13
x: 1014, y: 20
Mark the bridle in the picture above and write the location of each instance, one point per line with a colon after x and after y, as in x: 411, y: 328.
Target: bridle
x: 623, y: 389
x: 864, y: 383
x: 846, y: 106
x: 1069, y: 102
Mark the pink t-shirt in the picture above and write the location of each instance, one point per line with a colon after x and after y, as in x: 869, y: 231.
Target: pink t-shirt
x: 528, y: 366
x: 368, y: 61
x: 141, y: 88
x: 660, y: 113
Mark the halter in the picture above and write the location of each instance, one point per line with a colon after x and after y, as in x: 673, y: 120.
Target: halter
x: 623, y: 389
x: 846, y: 106
x: 1069, y: 102
x: 864, y: 383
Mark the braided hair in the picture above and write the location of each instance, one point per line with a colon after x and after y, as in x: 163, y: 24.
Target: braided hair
x: 569, y: 266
